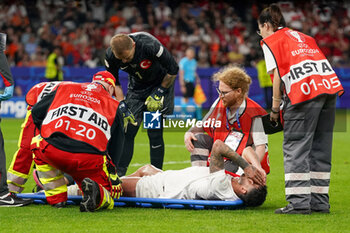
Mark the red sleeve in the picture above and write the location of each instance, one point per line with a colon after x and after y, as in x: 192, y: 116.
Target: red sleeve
x: 5, y: 71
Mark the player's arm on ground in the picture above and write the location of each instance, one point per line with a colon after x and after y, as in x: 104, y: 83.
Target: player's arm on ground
x: 221, y: 150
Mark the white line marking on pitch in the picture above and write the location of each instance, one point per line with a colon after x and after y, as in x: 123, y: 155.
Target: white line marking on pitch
x: 166, y: 145
x: 11, y: 141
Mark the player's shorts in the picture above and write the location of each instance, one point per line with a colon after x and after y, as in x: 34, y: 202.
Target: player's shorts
x: 150, y: 186
x: 189, y: 90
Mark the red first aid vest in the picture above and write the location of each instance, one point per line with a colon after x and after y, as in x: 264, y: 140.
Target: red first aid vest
x: 39, y: 91
x: 242, y: 133
x: 83, y: 112
x: 303, y: 68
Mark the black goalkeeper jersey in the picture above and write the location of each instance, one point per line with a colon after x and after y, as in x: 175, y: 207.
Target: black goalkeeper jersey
x: 151, y: 62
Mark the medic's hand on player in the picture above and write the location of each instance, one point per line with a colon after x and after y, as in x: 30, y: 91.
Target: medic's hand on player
x: 128, y: 117
x: 155, y: 101
x: 189, y: 136
x: 256, y: 175
x: 8, y: 93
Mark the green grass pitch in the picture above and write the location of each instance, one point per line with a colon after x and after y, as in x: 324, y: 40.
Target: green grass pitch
x: 43, y: 218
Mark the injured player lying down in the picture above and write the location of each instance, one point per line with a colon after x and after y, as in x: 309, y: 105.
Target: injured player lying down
x: 208, y: 183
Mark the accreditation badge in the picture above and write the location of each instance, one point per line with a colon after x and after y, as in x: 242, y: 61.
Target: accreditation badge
x: 234, y: 139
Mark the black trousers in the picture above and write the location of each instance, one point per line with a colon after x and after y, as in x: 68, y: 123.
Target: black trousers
x: 3, y: 171
x: 136, y: 103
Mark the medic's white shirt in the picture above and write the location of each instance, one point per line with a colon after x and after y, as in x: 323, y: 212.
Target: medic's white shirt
x: 269, y: 59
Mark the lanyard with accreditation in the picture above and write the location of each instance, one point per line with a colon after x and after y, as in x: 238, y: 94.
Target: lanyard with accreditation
x: 235, y: 137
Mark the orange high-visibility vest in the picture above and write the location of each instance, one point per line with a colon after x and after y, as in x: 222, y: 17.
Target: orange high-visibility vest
x: 252, y: 111
x: 83, y: 112
x: 39, y: 91
x: 303, y: 68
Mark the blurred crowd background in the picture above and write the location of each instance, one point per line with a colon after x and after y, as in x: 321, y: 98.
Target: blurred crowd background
x: 222, y: 32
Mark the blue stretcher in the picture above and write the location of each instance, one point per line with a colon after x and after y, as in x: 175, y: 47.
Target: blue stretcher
x: 39, y: 198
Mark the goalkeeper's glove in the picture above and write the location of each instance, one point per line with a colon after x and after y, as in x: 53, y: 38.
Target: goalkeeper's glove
x: 117, y: 189
x: 155, y: 101
x: 8, y: 93
x: 128, y: 117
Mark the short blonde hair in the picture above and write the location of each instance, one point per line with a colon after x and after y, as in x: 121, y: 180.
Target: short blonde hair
x: 234, y: 77
x: 120, y: 43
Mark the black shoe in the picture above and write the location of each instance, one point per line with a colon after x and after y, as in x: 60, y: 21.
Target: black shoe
x: 60, y: 205
x: 11, y: 200
x: 91, y: 195
x: 290, y: 210
x: 322, y: 211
